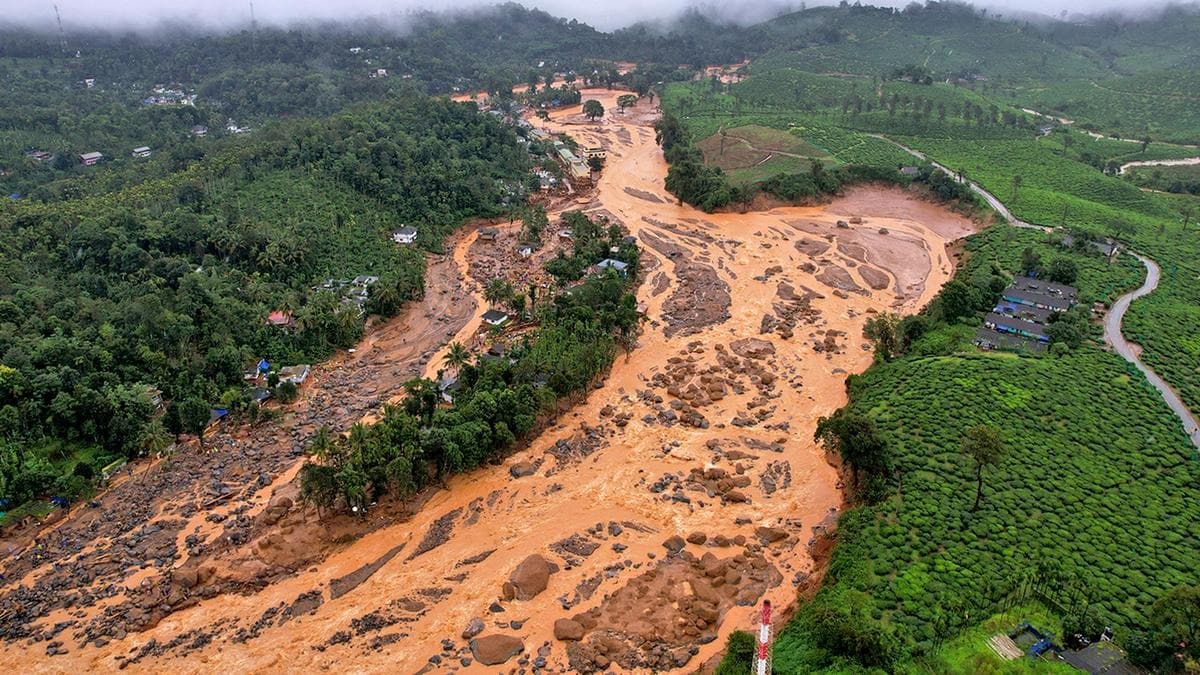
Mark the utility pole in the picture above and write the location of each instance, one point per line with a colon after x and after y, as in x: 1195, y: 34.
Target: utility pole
x: 762, y: 655
x: 62, y: 36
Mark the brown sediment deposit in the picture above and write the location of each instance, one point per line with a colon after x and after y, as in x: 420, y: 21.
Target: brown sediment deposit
x: 642, y: 194
x: 659, y: 511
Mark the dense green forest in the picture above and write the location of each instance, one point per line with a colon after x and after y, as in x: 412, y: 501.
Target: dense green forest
x: 105, y: 93
x: 168, y: 284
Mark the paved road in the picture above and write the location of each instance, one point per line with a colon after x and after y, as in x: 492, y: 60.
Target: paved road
x: 987, y: 196
x: 1113, y: 336
x: 1112, y: 323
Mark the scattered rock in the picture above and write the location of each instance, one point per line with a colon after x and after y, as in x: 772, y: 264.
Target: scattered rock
x: 522, y: 469
x: 475, y: 627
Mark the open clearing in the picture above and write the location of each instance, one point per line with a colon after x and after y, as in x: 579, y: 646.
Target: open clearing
x: 752, y: 153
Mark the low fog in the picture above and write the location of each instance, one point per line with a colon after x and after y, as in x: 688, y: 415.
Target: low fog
x: 607, y: 15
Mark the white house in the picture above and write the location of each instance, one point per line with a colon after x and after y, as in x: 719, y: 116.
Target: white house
x: 143, y: 151
x: 494, y: 317
x: 90, y: 158
x: 607, y: 264
x: 405, y: 235
x: 294, y: 374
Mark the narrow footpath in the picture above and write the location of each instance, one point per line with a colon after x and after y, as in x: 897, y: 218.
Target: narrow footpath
x: 1112, y: 322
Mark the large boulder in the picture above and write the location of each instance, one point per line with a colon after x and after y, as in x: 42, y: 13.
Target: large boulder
x: 770, y: 535
x: 528, y: 579
x: 522, y: 469
x: 492, y: 650
x: 568, y: 629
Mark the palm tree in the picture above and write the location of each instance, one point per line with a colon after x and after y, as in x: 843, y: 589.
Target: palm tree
x: 321, y: 445
x: 458, y: 356
x: 497, y: 290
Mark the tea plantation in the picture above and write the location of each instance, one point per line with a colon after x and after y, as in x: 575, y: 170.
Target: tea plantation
x: 1086, y: 442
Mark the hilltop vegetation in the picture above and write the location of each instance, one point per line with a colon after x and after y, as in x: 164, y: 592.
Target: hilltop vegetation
x: 169, y: 283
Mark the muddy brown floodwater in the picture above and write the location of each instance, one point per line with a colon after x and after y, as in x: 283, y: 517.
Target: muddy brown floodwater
x: 648, y: 521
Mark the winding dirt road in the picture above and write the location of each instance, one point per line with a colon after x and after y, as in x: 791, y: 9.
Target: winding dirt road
x: 1190, y: 161
x: 679, y: 494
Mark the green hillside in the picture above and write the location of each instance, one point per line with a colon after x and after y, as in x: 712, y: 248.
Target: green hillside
x: 1093, y: 454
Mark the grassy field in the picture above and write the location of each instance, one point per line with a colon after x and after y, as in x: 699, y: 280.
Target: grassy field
x: 1184, y: 179
x: 752, y: 153
x: 968, y: 652
x: 1157, y: 104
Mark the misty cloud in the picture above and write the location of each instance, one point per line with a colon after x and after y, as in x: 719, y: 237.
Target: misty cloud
x: 607, y: 14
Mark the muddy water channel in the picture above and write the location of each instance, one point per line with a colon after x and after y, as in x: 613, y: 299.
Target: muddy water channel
x: 647, y: 522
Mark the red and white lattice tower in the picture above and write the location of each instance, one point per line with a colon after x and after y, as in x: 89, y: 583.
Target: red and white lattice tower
x: 762, y: 655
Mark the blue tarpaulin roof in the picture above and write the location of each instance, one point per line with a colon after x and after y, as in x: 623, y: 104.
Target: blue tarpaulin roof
x: 263, y: 366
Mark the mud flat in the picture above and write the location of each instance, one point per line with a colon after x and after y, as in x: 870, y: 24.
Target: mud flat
x: 648, y: 522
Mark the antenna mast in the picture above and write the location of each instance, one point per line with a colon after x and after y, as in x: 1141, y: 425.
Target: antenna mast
x: 253, y: 22
x: 62, y: 36
x: 762, y: 655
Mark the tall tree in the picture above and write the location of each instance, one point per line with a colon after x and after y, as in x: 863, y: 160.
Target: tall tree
x: 497, y: 291
x: 194, y: 414
x: 854, y: 438
x: 883, y: 331
x: 593, y: 109
x: 984, y: 446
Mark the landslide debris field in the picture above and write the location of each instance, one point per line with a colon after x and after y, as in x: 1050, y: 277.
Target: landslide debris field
x: 635, y: 533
